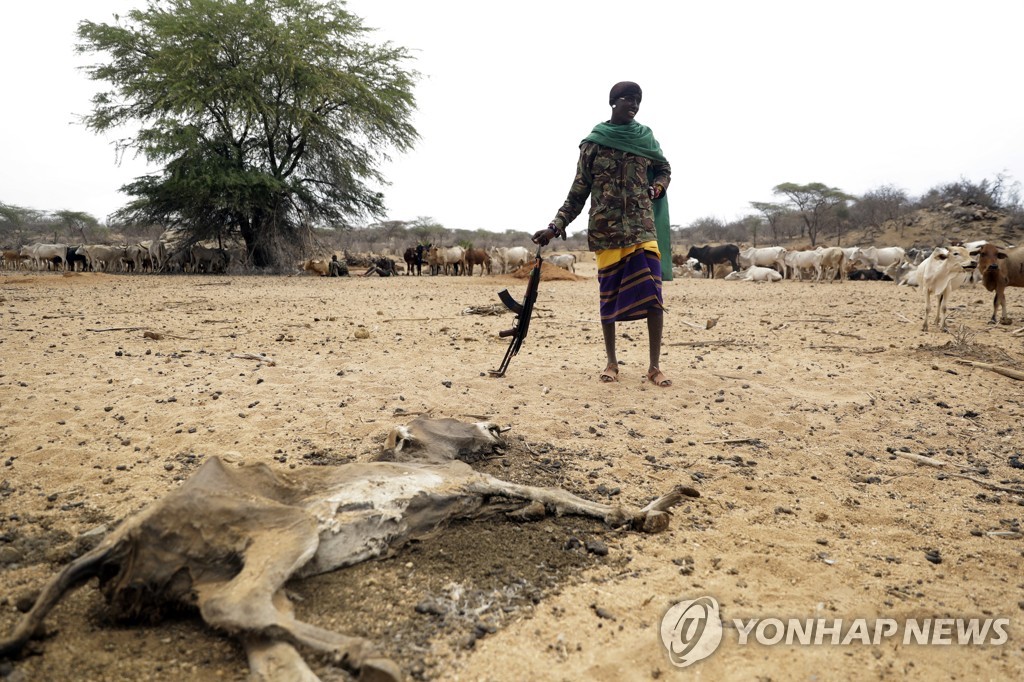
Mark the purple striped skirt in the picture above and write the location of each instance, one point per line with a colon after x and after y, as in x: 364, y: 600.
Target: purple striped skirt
x: 631, y: 287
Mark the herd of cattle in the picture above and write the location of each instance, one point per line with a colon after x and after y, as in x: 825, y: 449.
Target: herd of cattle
x: 937, y: 271
x: 153, y: 255
x: 458, y: 260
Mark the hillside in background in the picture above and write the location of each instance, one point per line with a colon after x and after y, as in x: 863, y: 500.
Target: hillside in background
x: 938, y: 226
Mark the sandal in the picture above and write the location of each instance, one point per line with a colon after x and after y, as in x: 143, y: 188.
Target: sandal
x: 658, y: 378
x: 610, y: 374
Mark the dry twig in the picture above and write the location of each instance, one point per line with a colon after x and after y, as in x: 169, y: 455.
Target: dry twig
x: 269, y: 361
x: 998, y: 369
x: 721, y: 342
x: 990, y: 486
x: 156, y: 336
x: 920, y: 459
x: 732, y: 440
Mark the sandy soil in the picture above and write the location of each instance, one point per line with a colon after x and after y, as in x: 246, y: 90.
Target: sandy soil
x: 786, y: 415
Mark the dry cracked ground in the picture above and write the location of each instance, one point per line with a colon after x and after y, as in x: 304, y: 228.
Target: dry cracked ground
x: 802, y: 415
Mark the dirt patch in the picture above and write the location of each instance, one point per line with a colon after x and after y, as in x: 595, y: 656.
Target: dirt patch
x: 548, y: 273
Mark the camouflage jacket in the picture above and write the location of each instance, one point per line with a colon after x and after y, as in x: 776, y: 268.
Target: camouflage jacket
x: 620, y: 206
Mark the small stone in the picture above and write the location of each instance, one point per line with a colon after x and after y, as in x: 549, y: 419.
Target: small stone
x: 25, y: 602
x: 655, y: 521
x: 10, y: 555
x: 429, y: 607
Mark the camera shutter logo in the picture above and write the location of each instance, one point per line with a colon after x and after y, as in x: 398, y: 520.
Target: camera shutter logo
x: 691, y: 631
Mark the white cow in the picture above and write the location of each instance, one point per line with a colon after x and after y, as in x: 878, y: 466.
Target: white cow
x: 871, y: 257
x: 46, y: 255
x: 831, y: 264
x: 451, y: 256
x: 101, y: 257
x: 768, y: 256
x: 691, y: 268
x: 936, y: 275
x: 135, y: 255
x: 157, y: 252
x: 798, y: 262
x: 566, y: 261
x: 515, y: 258
x: 497, y: 254
x: 904, y: 274
x: 756, y: 273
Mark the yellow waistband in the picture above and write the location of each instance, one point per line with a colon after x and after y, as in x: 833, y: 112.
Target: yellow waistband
x: 612, y: 256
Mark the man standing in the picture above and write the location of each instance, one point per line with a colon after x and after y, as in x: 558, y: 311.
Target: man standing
x: 623, y: 172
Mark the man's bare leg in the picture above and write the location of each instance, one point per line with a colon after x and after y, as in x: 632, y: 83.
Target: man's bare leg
x: 611, y: 371
x: 655, y: 324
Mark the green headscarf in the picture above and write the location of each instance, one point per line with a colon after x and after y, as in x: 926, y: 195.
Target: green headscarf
x: 638, y: 139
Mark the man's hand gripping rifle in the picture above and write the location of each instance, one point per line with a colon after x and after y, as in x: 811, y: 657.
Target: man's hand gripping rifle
x: 523, y: 311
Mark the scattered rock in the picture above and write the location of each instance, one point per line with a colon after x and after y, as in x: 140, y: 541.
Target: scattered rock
x: 430, y: 607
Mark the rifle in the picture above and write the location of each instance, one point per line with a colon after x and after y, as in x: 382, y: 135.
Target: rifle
x: 523, y: 312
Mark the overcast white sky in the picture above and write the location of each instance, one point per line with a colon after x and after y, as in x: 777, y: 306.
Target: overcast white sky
x: 743, y: 96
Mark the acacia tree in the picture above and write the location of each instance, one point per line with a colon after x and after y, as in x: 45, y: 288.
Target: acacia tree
x: 772, y: 214
x: 76, y: 222
x: 268, y: 116
x: 816, y: 203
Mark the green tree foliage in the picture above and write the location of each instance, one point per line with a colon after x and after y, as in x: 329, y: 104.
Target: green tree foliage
x: 819, y: 205
x: 76, y: 222
x: 268, y: 116
x: 773, y: 214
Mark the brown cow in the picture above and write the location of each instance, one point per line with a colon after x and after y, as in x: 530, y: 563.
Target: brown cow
x: 230, y: 537
x: 1000, y: 268
x: 478, y: 257
x: 14, y: 259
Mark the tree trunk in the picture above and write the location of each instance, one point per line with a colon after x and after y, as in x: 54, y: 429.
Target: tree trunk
x: 271, y: 242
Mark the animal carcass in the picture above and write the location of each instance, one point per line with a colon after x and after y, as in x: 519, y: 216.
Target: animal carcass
x: 229, y: 538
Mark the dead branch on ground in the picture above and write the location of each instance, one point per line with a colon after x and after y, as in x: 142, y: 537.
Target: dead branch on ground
x: 998, y: 369
x: 731, y: 441
x: 270, y: 362
x: 721, y: 342
x: 990, y: 486
x: 920, y: 459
